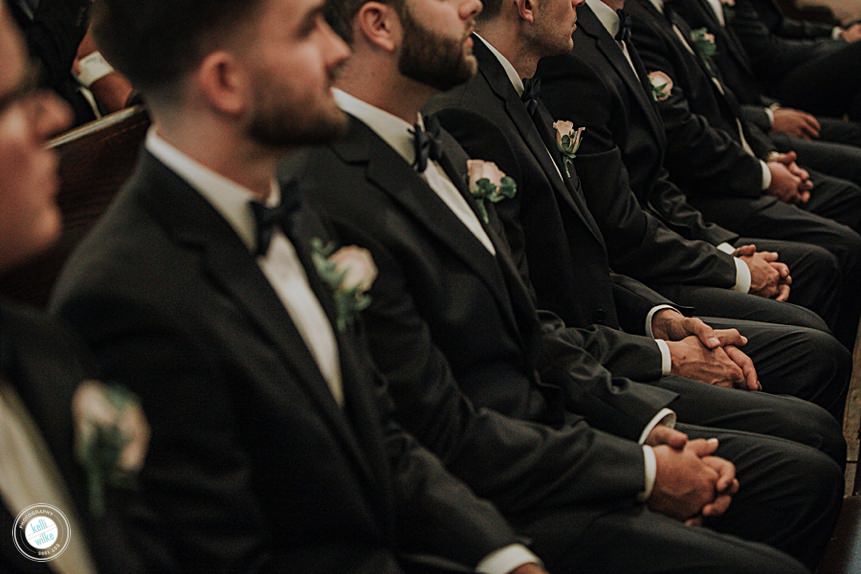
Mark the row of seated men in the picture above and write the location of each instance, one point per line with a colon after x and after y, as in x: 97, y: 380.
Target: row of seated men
x: 412, y: 286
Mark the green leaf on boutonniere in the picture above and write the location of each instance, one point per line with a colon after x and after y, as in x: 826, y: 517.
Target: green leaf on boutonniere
x: 112, y: 437
x: 348, y: 273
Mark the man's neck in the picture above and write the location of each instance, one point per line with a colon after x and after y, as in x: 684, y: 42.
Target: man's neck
x: 505, y: 38
x: 391, y: 92
x: 246, y: 163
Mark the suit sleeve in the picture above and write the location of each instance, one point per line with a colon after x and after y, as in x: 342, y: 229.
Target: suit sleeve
x: 518, y: 465
x: 699, y: 156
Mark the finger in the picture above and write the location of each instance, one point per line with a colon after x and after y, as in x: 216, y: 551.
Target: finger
x: 725, y: 470
x: 704, y: 333
x: 735, y: 375
x: 703, y: 447
x: 694, y: 521
x: 781, y: 268
x: 745, y: 251
x: 717, y: 507
x: 668, y: 436
x: 805, y: 197
x: 782, y: 293
x: 811, y: 126
x: 730, y: 337
x: 745, y: 363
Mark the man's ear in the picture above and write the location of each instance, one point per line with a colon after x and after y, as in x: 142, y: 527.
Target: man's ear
x: 525, y: 10
x: 379, y: 24
x: 223, y: 82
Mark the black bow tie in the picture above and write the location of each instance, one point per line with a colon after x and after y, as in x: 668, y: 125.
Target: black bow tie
x: 531, y: 94
x: 281, y: 215
x: 426, y: 143
x: 624, y: 33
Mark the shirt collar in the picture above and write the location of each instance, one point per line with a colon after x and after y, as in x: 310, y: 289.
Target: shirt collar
x: 717, y: 8
x: 658, y: 4
x: 227, y: 197
x: 392, y: 129
x: 512, y: 74
x: 608, y: 17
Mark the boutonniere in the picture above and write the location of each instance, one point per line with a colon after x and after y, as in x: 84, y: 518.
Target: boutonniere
x: 488, y: 183
x: 704, y: 43
x: 349, y: 272
x: 662, y: 86
x: 568, y: 141
x: 111, y: 438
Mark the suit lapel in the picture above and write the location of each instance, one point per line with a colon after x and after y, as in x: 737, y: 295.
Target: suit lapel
x: 493, y: 73
x: 612, y: 52
x: 40, y: 379
x: 729, y: 39
x: 388, y: 171
x: 229, y: 264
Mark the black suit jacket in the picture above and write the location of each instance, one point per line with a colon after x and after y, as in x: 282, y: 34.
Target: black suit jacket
x: 252, y: 464
x: 453, y: 329
x: 594, y: 86
x: 550, y: 223
x: 704, y: 154
x: 481, y: 319
x: 44, y: 364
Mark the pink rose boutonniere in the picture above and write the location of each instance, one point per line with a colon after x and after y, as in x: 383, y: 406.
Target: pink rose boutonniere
x: 488, y: 183
x: 662, y: 86
x: 111, y: 438
x: 568, y: 141
x: 349, y: 272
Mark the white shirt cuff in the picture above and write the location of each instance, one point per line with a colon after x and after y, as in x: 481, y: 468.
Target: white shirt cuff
x: 93, y: 67
x: 766, y: 175
x: 666, y: 357
x: 770, y: 113
x: 836, y: 33
x: 665, y: 417
x: 651, y: 315
x: 513, y: 556
x: 726, y: 248
x: 650, y: 471
x: 742, y: 276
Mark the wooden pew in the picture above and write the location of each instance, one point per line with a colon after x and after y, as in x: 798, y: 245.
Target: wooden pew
x: 95, y: 160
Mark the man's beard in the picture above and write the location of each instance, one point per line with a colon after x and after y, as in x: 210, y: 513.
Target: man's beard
x: 279, y: 124
x: 431, y: 59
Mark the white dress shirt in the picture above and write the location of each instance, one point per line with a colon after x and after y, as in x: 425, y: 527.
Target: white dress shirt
x: 397, y: 134
x: 280, y: 265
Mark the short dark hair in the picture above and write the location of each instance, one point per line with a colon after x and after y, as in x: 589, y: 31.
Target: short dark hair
x: 154, y: 42
x: 340, y: 14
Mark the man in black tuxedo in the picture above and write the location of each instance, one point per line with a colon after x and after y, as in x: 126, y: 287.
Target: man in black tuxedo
x: 272, y: 449
x: 602, y: 85
x: 829, y: 145
x: 727, y: 165
x: 450, y: 322
x: 41, y: 365
x: 563, y: 249
x: 822, y: 76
